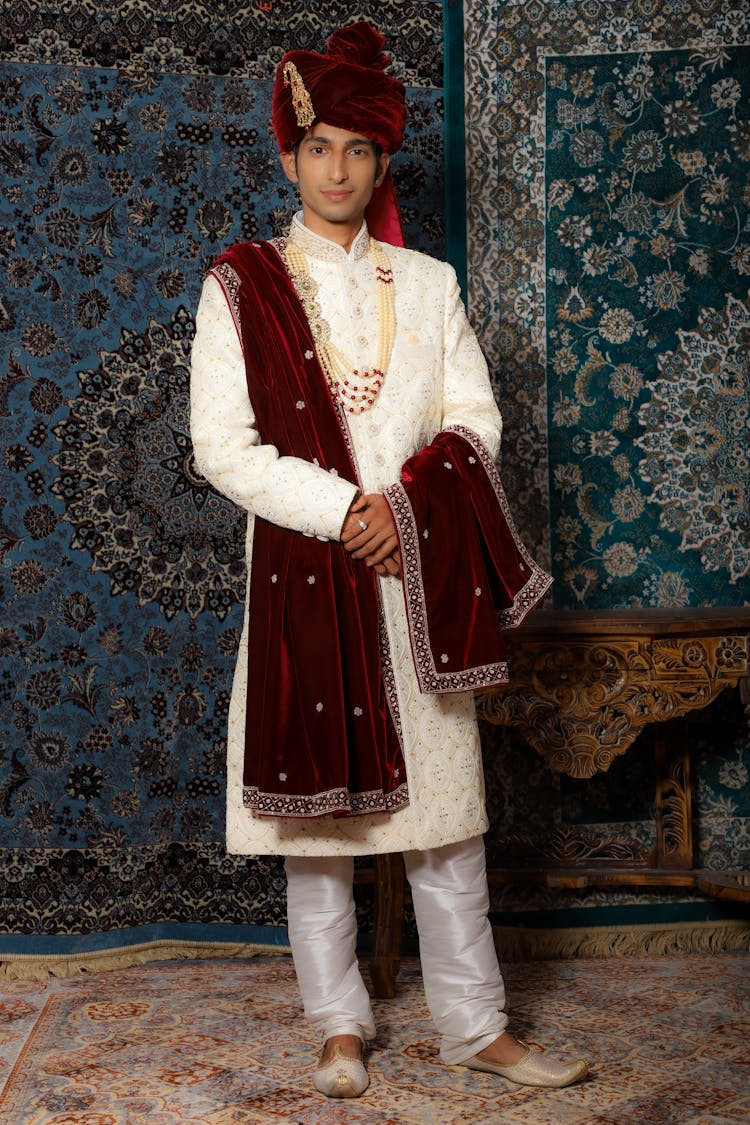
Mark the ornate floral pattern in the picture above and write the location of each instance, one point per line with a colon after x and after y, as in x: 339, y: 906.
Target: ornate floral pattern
x: 574, y: 148
x: 695, y: 439
x: 647, y: 216
x: 129, y: 485
x: 618, y: 219
x: 224, y: 1041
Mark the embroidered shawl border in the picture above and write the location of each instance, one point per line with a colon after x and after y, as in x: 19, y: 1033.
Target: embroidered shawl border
x: 539, y: 582
x: 324, y: 804
x: 230, y: 284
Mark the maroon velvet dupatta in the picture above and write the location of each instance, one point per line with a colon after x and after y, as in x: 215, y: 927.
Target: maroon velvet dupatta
x: 321, y: 728
x: 466, y: 573
x: 322, y: 732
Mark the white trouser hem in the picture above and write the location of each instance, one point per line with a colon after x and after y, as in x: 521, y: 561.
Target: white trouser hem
x: 323, y: 935
x: 462, y: 981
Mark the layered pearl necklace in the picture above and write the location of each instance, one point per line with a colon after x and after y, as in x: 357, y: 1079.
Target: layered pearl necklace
x: 355, y: 389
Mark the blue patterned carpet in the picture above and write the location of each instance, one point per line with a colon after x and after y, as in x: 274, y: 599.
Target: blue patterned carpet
x: 135, y: 146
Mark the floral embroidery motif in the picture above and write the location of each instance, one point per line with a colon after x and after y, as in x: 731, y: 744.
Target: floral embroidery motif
x: 230, y: 283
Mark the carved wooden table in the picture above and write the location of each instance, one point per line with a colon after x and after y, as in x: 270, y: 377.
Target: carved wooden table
x: 584, y: 684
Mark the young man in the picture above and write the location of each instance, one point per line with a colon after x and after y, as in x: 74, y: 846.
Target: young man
x: 340, y: 397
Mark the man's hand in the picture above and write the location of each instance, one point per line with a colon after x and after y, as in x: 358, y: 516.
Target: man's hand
x: 391, y: 565
x: 369, y: 534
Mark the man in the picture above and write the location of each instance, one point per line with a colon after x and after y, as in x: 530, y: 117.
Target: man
x: 339, y: 396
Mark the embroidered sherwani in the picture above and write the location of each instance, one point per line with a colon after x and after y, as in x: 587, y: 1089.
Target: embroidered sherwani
x: 437, y: 378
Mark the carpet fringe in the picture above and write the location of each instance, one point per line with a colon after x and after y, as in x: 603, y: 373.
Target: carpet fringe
x: 24, y: 966
x: 518, y: 943
x: 514, y: 943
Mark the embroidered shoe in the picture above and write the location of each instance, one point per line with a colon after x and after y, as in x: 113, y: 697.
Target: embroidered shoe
x: 342, y: 1077
x: 536, y: 1068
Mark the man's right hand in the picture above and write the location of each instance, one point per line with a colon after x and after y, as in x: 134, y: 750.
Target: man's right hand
x: 369, y: 534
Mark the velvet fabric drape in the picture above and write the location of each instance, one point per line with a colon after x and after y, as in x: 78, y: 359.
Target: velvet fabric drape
x: 320, y: 734
x: 467, y: 576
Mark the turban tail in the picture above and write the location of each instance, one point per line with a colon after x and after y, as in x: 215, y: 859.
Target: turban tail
x: 346, y: 86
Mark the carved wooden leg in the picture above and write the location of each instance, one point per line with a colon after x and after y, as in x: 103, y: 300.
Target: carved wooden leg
x: 745, y: 697
x: 389, y: 913
x: 674, y: 821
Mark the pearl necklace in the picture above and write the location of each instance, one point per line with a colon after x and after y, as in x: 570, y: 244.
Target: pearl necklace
x: 356, y: 390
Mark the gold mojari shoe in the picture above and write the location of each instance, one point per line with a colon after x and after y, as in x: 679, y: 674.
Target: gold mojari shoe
x: 342, y: 1077
x: 536, y: 1068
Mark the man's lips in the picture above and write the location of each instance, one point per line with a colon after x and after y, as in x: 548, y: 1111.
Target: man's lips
x: 336, y: 196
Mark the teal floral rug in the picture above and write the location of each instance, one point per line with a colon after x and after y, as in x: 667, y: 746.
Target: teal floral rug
x: 648, y: 326
x: 608, y: 154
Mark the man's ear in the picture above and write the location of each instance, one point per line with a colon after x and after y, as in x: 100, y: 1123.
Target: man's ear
x: 383, y: 162
x: 289, y: 164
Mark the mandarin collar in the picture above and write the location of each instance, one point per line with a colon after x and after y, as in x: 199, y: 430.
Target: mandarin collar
x: 316, y: 246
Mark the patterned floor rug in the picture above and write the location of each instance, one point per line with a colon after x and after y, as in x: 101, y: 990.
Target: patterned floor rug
x: 220, y: 1042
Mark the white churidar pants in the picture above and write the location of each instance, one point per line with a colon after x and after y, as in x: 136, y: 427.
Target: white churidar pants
x: 463, y: 985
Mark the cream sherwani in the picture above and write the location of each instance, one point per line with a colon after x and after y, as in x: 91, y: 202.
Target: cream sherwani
x: 437, y: 378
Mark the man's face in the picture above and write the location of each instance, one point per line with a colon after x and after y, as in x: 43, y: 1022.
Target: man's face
x: 337, y: 172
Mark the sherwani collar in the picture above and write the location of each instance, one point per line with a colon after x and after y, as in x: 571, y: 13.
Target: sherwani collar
x: 316, y: 246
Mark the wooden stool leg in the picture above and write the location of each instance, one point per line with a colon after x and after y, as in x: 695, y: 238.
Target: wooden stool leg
x: 389, y: 913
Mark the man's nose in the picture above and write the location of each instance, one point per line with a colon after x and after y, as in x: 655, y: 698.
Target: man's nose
x: 338, y: 168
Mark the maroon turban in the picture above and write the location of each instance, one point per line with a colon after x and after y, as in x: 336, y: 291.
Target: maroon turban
x: 347, y: 87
